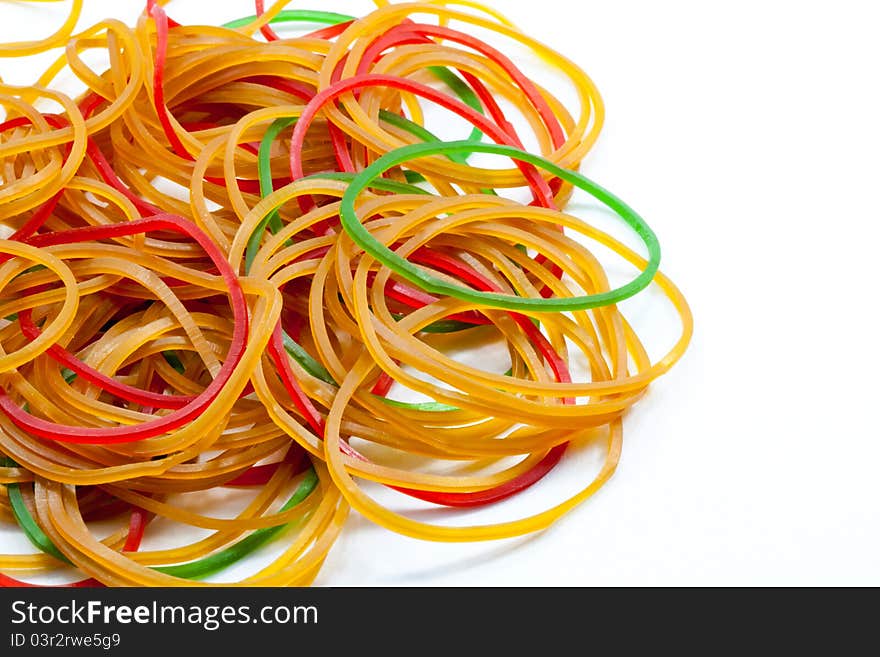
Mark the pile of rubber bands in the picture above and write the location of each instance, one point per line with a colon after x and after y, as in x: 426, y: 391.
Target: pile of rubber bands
x: 248, y: 260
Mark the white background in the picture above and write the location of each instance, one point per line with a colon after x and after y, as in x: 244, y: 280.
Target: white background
x: 747, y: 134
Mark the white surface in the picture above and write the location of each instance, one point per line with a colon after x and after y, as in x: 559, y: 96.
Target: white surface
x: 747, y: 134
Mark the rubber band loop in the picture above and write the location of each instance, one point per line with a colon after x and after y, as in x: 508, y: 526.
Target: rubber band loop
x: 418, y: 276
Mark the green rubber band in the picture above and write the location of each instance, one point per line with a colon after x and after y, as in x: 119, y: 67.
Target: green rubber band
x: 271, y: 220
x: 463, y: 90
x: 305, y: 360
x: 265, y: 172
x: 413, y: 177
x: 30, y: 527
x: 414, y: 274
x: 173, y: 359
x: 429, y: 407
x: 295, y: 16
x: 442, y: 325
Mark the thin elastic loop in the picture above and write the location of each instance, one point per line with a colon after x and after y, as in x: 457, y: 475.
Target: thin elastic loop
x: 418, y: 276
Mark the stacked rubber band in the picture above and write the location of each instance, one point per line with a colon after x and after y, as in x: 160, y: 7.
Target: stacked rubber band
x: 229, y: 260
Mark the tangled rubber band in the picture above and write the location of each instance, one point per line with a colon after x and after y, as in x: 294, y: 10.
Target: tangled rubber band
x: 246, y: 258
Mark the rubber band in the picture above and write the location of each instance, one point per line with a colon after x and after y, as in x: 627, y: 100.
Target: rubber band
x: 427, y: 282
